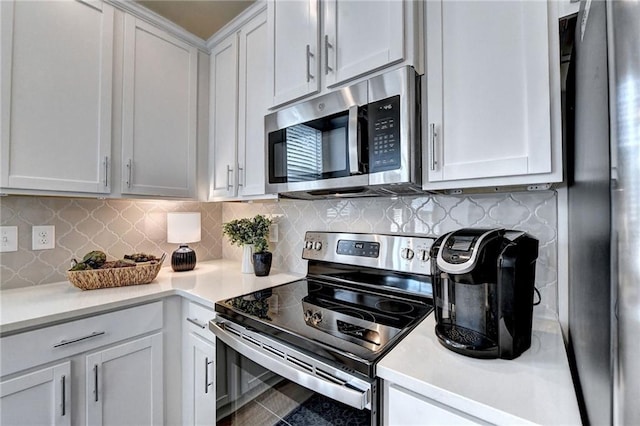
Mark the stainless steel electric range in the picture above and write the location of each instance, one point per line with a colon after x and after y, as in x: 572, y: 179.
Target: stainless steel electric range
x: 325, y: 333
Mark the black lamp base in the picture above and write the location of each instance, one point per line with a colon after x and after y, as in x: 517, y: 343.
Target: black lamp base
x: 183, y: 259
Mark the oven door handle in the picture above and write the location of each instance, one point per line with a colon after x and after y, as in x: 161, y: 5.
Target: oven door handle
x: 270, y: 354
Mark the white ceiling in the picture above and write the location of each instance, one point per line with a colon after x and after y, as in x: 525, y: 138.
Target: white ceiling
x: 200, y: 17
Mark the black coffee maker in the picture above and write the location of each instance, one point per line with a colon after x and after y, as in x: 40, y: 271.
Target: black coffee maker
x: 483, y: 281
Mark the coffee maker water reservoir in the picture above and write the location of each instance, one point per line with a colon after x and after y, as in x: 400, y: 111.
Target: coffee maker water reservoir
x: 483, y: 282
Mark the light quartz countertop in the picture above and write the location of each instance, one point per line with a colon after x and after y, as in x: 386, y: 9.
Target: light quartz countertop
x: 534, y: 388
x: 209, y: 282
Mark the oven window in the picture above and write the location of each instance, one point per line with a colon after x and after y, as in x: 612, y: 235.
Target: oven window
x: 310, y: 151
x: 248, y: 394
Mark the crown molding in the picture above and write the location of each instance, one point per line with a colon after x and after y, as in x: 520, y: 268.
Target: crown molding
x: 151, y: 17
x: 233, y: 25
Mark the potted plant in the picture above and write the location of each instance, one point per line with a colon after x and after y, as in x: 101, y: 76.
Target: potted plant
x: 251, y: 234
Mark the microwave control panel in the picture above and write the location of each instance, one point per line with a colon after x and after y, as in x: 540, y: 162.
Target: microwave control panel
x: 384, y: 134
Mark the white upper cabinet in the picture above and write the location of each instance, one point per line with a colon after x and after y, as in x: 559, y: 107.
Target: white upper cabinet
x: 295, y: 49
x: 360, y: 36
x: 309, y: 54
x: 238, y: 104
x: 252, y: 106
x: 223, y: 122
x: 159, y: 112
x: 492, y: 110
x: 56, y: 78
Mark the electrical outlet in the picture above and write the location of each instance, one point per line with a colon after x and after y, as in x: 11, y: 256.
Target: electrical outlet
x: 8, y: 238
x: 43, y: 237
x: 273, y: 233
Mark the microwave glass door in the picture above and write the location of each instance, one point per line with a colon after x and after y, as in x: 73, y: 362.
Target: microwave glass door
x: 311, y: 151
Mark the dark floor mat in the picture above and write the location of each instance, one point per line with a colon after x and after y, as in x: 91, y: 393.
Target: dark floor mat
x: 322, y: 411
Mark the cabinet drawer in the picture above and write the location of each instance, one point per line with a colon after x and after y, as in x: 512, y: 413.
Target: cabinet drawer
x: 197, y: 318
x: 32, y: 348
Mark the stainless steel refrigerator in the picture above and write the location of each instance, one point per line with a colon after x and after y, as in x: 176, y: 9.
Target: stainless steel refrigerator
x: 603, y: 174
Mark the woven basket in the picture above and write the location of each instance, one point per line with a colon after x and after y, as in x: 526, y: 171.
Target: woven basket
x: 142, y: 273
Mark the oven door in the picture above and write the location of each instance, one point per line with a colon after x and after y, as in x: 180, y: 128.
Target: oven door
x: 263, y: 381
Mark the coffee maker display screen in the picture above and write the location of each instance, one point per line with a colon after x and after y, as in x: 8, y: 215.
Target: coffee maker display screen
x: 462, y: 243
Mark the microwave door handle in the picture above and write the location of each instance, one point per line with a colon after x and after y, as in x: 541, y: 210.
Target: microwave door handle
x: 353, y: 140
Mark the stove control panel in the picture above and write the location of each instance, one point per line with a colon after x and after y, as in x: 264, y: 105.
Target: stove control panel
x: 402, y: 253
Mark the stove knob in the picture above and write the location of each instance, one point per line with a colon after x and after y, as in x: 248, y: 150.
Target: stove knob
x: 423, y: 255
x: 317, y: 246
x: 307, y: 315
x: 406, y: 253
x: 308, y: 245
x: 316, y: 318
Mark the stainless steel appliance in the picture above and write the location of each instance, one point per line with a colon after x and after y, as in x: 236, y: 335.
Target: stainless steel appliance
x: 361, y: 140
x: 483, y: 284
x: 603, y: 98
x: 321, y: 337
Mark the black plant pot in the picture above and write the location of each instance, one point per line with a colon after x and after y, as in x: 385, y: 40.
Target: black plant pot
x: 262, y: 263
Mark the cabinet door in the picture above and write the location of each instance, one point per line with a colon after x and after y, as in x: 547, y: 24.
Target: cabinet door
x: 124, y: 384
x: 404, y: 407
x: 200, y: 393
x: 361, y: 36
x: 488, y: 90
x: 37, y: 398
x: 253, y: 103
x: 223, y: 107
x: 56, y: 79
x: 159, y: 112
x: 295, y: 54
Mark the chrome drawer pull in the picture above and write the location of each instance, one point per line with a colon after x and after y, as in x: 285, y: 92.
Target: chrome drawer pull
x: 79, y: 339
x: 196, y: 322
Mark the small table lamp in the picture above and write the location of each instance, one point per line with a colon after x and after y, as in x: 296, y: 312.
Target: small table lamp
x: 183, y: 228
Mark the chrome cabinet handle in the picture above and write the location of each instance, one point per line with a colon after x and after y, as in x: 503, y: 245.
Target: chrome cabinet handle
x: 327, y: 45
x: 432, y: 139
x: 309, y: 56
x: 129, y: 172
x: 106, y: 171
x: 240, y: 173
x: 196, y: 322
x: 79, y: 339
x: 64, y: 396
x: 95, y: 381
x: 229, y: 170
x: 207, y: 363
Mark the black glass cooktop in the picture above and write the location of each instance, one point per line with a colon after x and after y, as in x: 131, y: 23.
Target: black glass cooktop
x: 346, y: 324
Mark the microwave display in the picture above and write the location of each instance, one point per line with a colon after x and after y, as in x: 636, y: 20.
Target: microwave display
x: 384, y: 131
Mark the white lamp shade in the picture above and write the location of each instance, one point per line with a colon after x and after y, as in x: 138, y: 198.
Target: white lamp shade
x: 183, y: 227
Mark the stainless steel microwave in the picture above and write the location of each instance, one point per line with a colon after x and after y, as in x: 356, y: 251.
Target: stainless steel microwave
x: 361, y: 140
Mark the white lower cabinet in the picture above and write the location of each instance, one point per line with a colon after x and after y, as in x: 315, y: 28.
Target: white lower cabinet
x: 124, y: 383
x: 199, y: 366
x: 200, y: 390
x: 403, y: 407
x: 104, y: 369
x: 37, y: 398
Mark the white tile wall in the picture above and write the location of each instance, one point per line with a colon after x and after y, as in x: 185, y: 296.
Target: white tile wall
x: 123, y: 226
x: 533, y: 212
x: 117, y: 227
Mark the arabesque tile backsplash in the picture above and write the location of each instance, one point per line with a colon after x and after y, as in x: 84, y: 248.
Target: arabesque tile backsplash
x: 124, y: 226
